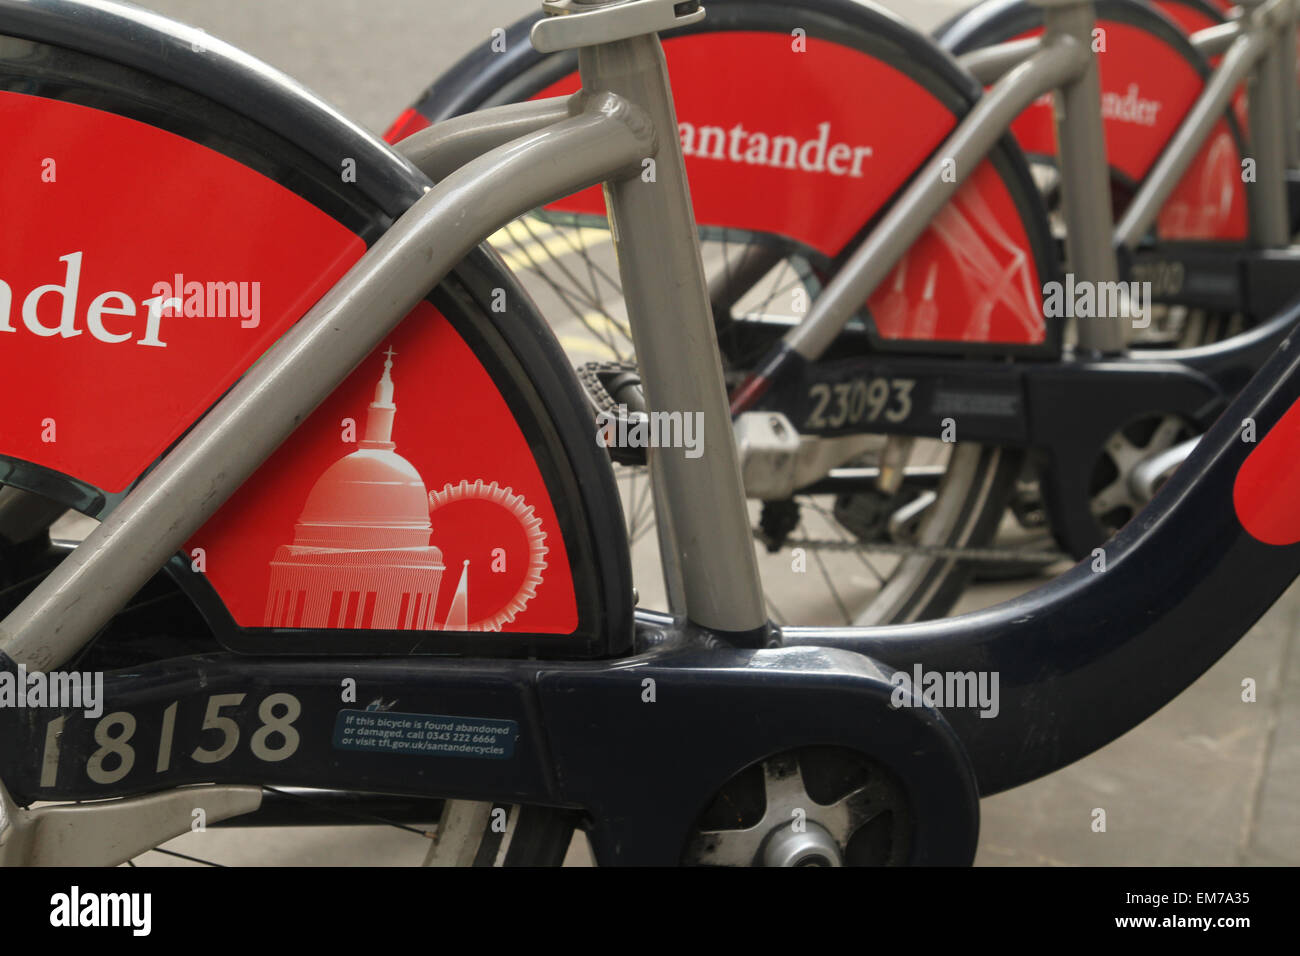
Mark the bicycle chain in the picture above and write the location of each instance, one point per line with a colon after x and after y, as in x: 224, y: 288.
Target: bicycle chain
x: 589, y: 375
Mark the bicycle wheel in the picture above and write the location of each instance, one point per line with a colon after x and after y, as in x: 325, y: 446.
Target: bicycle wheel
x: 880, y: 554
x: 1149, y: 77
x: 180, y: 129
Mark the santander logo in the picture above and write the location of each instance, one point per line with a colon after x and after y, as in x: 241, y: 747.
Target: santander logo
x: 1131, y: 107
x: 1128, y: 107
x: 110, y: 317
x: 739, y: 145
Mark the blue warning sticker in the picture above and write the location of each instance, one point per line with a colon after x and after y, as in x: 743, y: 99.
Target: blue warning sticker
x: 428, y: 735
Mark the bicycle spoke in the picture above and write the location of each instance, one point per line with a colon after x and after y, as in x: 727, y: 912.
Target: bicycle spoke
x: 593, y: 300
x: 844, y: 535
x: 567, y: 296
x: 753, y: 280
x: 186, y: 856
x: 835, y: 594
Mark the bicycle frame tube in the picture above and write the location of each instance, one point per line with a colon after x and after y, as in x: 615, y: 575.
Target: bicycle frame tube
x: 605, y: 141
x: 1085, y: 174
x: 1215, y: 40
x: 1290, y: 93
x: 654, y: 232
x: 990, y: 63
x: 445, y: 147
x: 1270, y: 224
x: 1053, y: 64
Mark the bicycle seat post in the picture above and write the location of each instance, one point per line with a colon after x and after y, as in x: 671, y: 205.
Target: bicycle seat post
x: 1271, y: 91
x: 664, y: 285
x: 1085, y: 173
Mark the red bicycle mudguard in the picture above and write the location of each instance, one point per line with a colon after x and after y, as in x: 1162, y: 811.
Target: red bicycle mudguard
x: 156, y: 243
x: 387, y: 509
x: 1263, y: 494
x: 76, y: 349
x: 822, y: 174
x: 809, y: 148
x: 1150, y: 77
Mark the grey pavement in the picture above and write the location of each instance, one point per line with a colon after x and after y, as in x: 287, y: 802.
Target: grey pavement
x: 371, y: 58
x: 1207, y: 780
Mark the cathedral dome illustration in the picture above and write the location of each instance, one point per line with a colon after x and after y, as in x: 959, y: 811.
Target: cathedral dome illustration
x: 361, y: 555
x: 373, y: 495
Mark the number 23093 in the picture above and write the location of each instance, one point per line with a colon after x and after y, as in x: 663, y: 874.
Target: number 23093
x: 860, y: 400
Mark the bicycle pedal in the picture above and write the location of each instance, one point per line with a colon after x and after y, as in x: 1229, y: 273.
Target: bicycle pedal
x: 614, y: 389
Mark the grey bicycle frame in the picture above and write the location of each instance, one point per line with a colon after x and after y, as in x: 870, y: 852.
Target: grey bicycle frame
x: 1062, y: 61
x: 1261, y: 45
x: 621, y: 130
x: 611, y: 134
x: 1262, y: 41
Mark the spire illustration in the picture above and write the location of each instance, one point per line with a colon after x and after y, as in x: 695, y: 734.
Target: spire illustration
x: 458, y: 615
